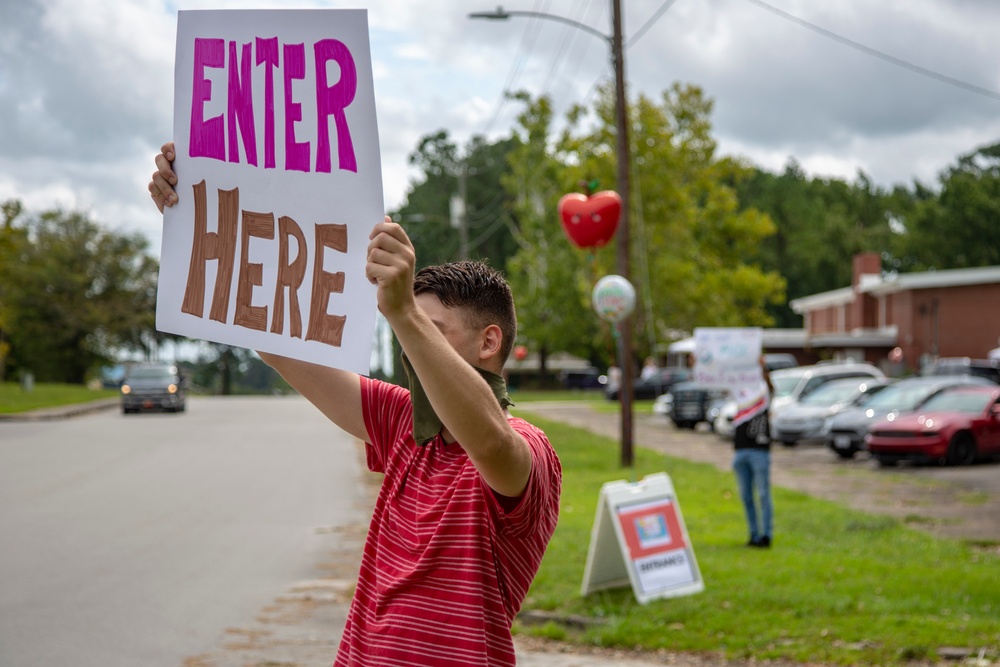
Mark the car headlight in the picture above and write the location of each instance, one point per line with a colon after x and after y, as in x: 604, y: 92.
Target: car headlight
x: 126, y: 389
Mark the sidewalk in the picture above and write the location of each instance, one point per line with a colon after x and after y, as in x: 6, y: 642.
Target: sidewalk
x: 62, y: 411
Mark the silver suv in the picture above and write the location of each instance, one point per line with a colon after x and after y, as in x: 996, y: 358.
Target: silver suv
x: 792, y: 384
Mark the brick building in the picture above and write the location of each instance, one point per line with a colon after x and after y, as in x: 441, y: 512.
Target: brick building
x: 930, y: 314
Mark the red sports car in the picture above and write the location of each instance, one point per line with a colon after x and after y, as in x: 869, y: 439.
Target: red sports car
x: 958, y: 426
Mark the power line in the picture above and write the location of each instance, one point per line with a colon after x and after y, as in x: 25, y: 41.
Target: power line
x: 899, y: 62
x: 649, y: 23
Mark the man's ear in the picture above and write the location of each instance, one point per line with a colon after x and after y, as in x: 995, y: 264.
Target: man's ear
x: 490, y: 343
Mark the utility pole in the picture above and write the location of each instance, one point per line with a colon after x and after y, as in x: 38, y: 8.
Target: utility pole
x: 624, y: 259
x: 459, y: 213
x: 624, y: 156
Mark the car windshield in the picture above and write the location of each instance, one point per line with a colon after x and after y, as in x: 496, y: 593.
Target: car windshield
x: 784, y: 384
x: 972, y: 402
x: 900, y: 397
x: 832, y: 392
x: 151, y: 373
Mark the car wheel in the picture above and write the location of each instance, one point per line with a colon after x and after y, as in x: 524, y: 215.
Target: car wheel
x: 789, y: 443
x: 884, y: 462
x: 962, y: 450
x: 846, y: 454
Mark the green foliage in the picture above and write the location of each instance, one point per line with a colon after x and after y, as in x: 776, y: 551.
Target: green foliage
x: 426, y: 214
x: 688, y: 228
x: 820, y: 226
x: 72, y: 293
x: 839, y: 586
x: 958, y: 228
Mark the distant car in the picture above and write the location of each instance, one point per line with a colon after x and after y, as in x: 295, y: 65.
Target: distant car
x: 847, y: 429
x: 583, y: 378
x: 803, y: 421
x: 984, y: 368
x: 153, y: 387
x: 775, y: 361
x: 792, y: 384
x: 690, y: 403
x: 650, y: 388
x: 957, y: 426
x: 723, y: 424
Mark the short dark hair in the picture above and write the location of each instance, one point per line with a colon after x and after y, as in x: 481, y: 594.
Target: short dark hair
x: 476, y: 288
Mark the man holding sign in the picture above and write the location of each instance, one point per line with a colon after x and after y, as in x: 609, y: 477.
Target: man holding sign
x: 470, y: 495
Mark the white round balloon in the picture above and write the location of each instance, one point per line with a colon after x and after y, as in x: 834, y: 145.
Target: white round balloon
x: 613, y: 298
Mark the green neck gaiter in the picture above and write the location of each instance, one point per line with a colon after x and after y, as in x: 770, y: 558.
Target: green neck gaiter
x: 426, y: 424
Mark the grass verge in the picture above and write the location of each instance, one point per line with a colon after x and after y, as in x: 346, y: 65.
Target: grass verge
x: 13, y: 399
x: 838, y: 587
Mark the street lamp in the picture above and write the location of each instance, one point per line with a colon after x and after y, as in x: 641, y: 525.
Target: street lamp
x: 623, y: 259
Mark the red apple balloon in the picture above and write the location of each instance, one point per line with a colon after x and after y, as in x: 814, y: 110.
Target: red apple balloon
x: 520, y: 352
x: 590, y: 222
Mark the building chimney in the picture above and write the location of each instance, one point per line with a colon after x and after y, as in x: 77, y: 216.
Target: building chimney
x: 869, y: 263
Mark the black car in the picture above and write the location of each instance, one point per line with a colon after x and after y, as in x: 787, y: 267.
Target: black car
x: 153, y: 387
x: 692, y: 403
x: 651, y: 387
x: 950, y: 366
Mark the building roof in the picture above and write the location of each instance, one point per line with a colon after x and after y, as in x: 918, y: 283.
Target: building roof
x: 879, y: 285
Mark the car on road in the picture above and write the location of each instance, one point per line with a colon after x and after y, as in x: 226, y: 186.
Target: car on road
x: 847, y: 429
x: 153, y: 387
x: 582, y: 378
x: 804, y: 420
x: 957, y: 426
x: 793, y: 384
x: 651, y: 387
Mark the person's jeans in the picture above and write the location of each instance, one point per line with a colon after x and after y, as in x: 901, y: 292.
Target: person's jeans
x: 753, y: 472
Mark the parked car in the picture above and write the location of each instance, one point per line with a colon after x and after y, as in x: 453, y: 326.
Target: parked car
x: 792, y: 384
x: 957, y: 426
x: 774, y: 361
x: 723, y: 424
x: 152, y: 387
x: 804, y: 420
x: 689, y: 403
x: 847, y: 429
x: 985, y: 368
x: 584, y: 378
x: 651, y: 387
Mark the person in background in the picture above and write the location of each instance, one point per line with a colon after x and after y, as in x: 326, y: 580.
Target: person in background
x: 649, y: 369
x: 752, y: 464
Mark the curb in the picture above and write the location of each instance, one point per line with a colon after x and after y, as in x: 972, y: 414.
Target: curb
x: 62, y: 412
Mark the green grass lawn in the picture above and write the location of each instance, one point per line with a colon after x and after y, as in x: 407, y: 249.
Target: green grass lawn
x: 13, y: 399
x: 839, y: 586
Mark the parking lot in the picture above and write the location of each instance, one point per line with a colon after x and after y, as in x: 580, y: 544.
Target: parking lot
x: 958, y: 502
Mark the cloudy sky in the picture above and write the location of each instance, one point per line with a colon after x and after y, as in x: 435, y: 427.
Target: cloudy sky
x: 897, y: 88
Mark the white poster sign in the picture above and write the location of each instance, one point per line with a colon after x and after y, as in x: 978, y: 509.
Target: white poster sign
x: 729, y: 358
x: 280, y: 184
x: 639, y: 538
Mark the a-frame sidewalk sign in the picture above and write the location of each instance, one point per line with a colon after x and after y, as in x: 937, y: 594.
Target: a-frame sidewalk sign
x: 639, y: 538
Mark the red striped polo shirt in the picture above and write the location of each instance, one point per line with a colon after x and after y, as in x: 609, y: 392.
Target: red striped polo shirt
x: 445, y: 568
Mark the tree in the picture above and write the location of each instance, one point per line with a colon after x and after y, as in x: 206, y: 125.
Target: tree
x: 426, y: 215
x: 694, y: 249
x: 820, y: 225
x: 957, y: 228
x: 73, y: 293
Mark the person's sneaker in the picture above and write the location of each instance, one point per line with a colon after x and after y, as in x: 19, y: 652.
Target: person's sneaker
x: 761, y: 542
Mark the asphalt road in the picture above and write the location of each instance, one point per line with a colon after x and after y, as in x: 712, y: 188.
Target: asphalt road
x: 139, y: 540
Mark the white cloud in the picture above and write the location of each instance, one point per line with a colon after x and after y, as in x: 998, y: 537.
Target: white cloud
x: 86, y: 85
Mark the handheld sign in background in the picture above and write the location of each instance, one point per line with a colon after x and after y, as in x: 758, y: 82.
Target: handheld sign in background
x: 730, y: 358
x: 639, y: 538
x: 279, y: 185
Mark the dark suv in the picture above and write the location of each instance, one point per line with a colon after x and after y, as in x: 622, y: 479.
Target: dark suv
x: 152, y: 387
x: 691, y: 403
